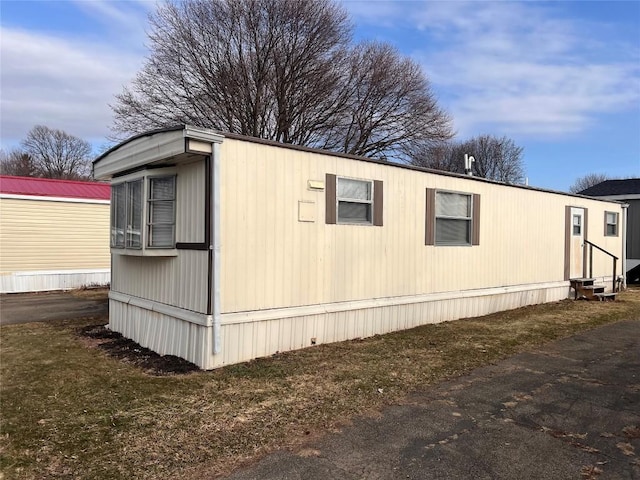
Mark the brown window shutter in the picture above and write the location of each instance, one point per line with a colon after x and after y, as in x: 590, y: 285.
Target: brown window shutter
x: 330, y: 199
x: 475, y: 220
x: 430, y: 220
x: 378, y: 204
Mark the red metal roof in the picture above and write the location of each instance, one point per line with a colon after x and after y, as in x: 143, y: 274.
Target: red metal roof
x: 47, y: 187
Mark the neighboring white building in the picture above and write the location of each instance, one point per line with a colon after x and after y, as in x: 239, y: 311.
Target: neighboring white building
x: 54, y: 234
x: 227, y: 248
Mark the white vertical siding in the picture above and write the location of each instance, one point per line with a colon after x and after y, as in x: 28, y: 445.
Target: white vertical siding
x: 47, y: 280
x: 244, y: 338
x: 163, y: 334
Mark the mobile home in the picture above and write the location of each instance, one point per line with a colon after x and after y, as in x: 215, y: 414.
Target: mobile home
x: 54, y: 234
x: 227, y: 248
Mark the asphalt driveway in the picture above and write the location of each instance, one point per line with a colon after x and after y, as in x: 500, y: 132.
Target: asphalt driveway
x: 45, y: 306
x: 570, y: 410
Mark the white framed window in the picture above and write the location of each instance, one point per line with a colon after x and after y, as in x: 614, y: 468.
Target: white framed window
x: 610, y: 224
x: 355, y: 201
x: 143, y: 213
x: 162, y: 216
x: 453, y: 214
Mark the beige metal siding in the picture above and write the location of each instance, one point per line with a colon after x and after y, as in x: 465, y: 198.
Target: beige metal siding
x: 272, y: 260
x: 180, y: 281
x: 190, y: 198
x: 37, y: 235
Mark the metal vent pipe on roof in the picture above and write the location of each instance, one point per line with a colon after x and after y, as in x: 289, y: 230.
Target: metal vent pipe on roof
x: 468, y: 162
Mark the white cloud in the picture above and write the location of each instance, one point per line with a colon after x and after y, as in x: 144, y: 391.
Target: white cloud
x: 119, y: 15
x: 517, y: 68
x: 60, y: 83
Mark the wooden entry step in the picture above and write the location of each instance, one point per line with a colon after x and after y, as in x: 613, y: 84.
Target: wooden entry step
x: 604, y: 297
x: 584, y: 288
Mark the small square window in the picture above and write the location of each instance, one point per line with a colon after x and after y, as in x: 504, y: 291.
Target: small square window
x: 611, y: 224
x: 577, y: 224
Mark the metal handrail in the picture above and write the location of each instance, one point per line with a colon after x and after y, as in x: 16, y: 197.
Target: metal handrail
x: 615, y: 261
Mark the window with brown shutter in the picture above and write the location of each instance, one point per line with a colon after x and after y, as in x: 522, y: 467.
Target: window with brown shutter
x: 452, y: 218
x: 353, y: 201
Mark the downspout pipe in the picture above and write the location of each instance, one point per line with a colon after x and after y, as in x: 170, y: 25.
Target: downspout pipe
x: 216, y: 245
x: 625, y: 206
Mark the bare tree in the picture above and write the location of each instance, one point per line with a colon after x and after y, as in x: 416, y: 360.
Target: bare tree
x: 391, y: 106
x: 495, y: 158
x: 57, y: 154
x: 19, y: 163
x: 278, y: 69
x: 586, y: 181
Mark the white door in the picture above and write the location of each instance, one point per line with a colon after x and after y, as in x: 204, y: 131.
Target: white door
x: 576, y: 257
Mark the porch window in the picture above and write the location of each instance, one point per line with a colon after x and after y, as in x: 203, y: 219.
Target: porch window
x: 129, y: 231
x: 610, y: 224
x: 162, y: 200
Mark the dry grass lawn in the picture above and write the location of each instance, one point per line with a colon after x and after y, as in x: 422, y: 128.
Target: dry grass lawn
x: 69, y: 410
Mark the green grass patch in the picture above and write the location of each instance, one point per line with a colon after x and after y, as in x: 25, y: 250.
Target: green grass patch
x: 70, y: 410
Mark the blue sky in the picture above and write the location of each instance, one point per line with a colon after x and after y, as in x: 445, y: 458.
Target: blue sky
x: 562, y: 79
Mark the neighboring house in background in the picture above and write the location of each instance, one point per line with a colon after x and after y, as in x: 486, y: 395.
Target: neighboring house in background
x: 227, y: 248
x: 54, y: 234
x: 626, y: 191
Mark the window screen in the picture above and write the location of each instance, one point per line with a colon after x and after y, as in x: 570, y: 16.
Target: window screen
x: 355, y: 204
x: 611, y: 224
x: 453, y: 218
x: 162, y: 212
x: 134, y: 214
x: 577, y: 224
x: 118, y: 215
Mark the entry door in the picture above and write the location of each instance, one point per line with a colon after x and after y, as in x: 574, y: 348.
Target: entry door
x: 576, y: 256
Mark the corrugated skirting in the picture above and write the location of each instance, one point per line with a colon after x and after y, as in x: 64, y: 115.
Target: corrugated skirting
x: 43, y: 281
x: 257, y: 334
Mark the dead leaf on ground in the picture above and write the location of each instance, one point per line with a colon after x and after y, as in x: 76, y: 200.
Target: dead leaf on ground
x: 590, y: 472
x: 626, y: 448
x: 631, y: 431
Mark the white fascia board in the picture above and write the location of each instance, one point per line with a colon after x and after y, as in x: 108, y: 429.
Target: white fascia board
x: 55, y: 199
x: 152, y: 148
x: 202, y: 134
x: 139, y: 152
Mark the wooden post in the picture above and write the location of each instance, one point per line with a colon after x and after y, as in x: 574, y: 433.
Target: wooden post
x: 614, y: 274
x: 590, y: 261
